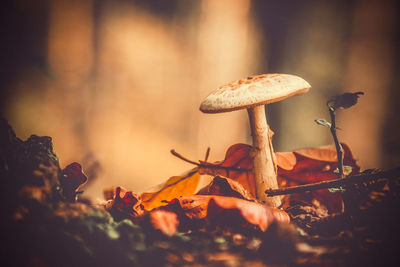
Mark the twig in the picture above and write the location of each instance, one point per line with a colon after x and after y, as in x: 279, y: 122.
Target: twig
x: 208, y: 165
x: 176, y: 154
x: 207, y: 154
x: 354, y: 179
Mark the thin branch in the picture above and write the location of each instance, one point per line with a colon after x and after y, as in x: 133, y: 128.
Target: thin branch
x: 354, y: 179
x: 176, y: 154
x: 209, y: 165
x: 207, y: 154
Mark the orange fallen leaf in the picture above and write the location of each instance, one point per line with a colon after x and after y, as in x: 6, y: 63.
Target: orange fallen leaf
x: 321, y: 159
x: 288, y: 160
x: 176, y: 186
x: 192, y: 212
x: 315, y: 165
x: 198, y: 210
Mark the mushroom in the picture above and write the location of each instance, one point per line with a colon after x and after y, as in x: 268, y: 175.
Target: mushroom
x: 252, y: 93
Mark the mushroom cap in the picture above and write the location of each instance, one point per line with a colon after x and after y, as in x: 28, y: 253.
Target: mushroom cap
x: 253, y: 91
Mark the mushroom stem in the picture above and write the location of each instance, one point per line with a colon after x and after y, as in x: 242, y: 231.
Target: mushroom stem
x: 264, y: 161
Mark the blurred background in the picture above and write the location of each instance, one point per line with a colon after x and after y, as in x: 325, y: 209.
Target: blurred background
x: 117, y: 84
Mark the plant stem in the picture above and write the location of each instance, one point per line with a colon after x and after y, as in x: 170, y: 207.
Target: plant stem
x: 339, y: 149
x: 354, y: 179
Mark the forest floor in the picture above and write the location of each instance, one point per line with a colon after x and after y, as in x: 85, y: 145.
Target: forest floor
x: 42, y: 229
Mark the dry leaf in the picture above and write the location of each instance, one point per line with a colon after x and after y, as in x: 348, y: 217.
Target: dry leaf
x: 314, y: 165
x: 194, y: 211
x: 237, y: 212
x: 192, y: 207
x: 72, y: 177
x: 237, y: 166
x: 345, y: 100
x: 125, y: 204
x: 177, y: 194
x: 298, y: 167
x: 288, y: 160
x: 176, y: 186
x: 223, y: 186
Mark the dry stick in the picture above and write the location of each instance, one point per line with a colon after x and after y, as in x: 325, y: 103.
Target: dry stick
x: 210, y: 166
x: 207, y: 154
x: 354, y: 179
x: 176, y: 154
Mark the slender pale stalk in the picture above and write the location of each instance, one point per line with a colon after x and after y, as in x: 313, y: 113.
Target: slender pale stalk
x: 264, y: 161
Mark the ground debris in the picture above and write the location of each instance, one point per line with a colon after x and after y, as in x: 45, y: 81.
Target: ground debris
x: 42, y: 227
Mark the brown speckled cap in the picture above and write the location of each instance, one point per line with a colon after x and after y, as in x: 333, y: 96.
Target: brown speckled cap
x: 252, y: 91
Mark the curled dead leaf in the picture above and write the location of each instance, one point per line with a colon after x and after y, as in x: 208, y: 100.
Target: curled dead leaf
x: 223, y: 186
x: 345, y: 100
x: 192, y: 207
x: 125, y: 204
x: 72, y: 177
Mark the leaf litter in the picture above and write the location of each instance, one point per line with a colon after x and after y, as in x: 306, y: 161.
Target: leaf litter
x: 184, y: 222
